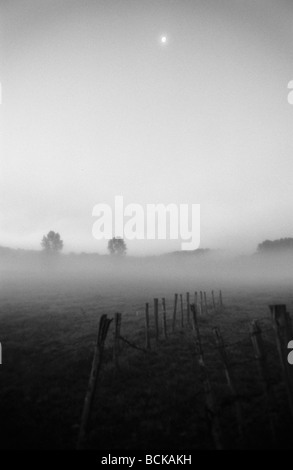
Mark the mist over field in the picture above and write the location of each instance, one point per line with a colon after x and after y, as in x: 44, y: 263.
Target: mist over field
x: 50, y: 310
x: 200, y: 270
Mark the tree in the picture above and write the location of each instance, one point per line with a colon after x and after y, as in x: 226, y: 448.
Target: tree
x: 276, y: 246
x: 117, y: 246
x: 52, y: 243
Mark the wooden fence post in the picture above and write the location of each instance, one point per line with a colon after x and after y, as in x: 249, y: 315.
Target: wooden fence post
x: 230, y: 382
x: 116, y: 345
x: 174, y: 312
x: 147, y: 327
x: 194, y: 312
x: 182, y: 311
x: 205, y: 303
x: 213, y: 300
x: 195, y: 300
x: 211, y: 408
x: 221, y: 305
x: 260, y: 356
x: 156, y: 315
x: 188, y: 308
x: 283, y: 331
x: 201, y: 303
x: 164, y: 318
x: 92, y: 384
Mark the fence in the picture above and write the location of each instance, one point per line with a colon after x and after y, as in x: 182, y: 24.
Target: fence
x: 190, y: 318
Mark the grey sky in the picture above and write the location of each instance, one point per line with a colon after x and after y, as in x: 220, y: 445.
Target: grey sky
x: 94, y: 106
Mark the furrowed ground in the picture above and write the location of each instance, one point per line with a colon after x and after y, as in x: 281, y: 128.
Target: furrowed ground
x: 156, y: 399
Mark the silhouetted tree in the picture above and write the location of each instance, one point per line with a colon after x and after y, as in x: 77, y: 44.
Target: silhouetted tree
x: 273, y: 246
x: 117, y: 246
x: 52, y: 243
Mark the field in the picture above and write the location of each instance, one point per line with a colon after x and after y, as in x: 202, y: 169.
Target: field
x: 156, y: 398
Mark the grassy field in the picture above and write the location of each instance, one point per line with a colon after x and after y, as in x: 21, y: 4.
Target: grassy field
x: 156, y: 399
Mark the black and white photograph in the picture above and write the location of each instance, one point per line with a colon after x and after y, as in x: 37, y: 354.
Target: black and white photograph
x: 146, y: 228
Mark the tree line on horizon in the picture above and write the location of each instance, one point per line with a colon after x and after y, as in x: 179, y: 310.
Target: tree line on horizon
x: 52, y: 244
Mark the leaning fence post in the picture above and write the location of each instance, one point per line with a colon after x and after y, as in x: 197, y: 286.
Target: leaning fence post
x: 156, y: 315
x: 188, y: 308
x: 182, y: 311
x: 211, y: 408
x: 283, y: 331
x: 195, y: 326
x: 164, y: 317
x: 147, y: 327
x: 174, y: 312
x: 92, y: 384
x: 230, y: 381
x: 116, y: 345
x: 260, y: 356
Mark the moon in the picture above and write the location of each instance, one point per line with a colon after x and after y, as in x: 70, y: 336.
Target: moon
x: 163, y: 39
